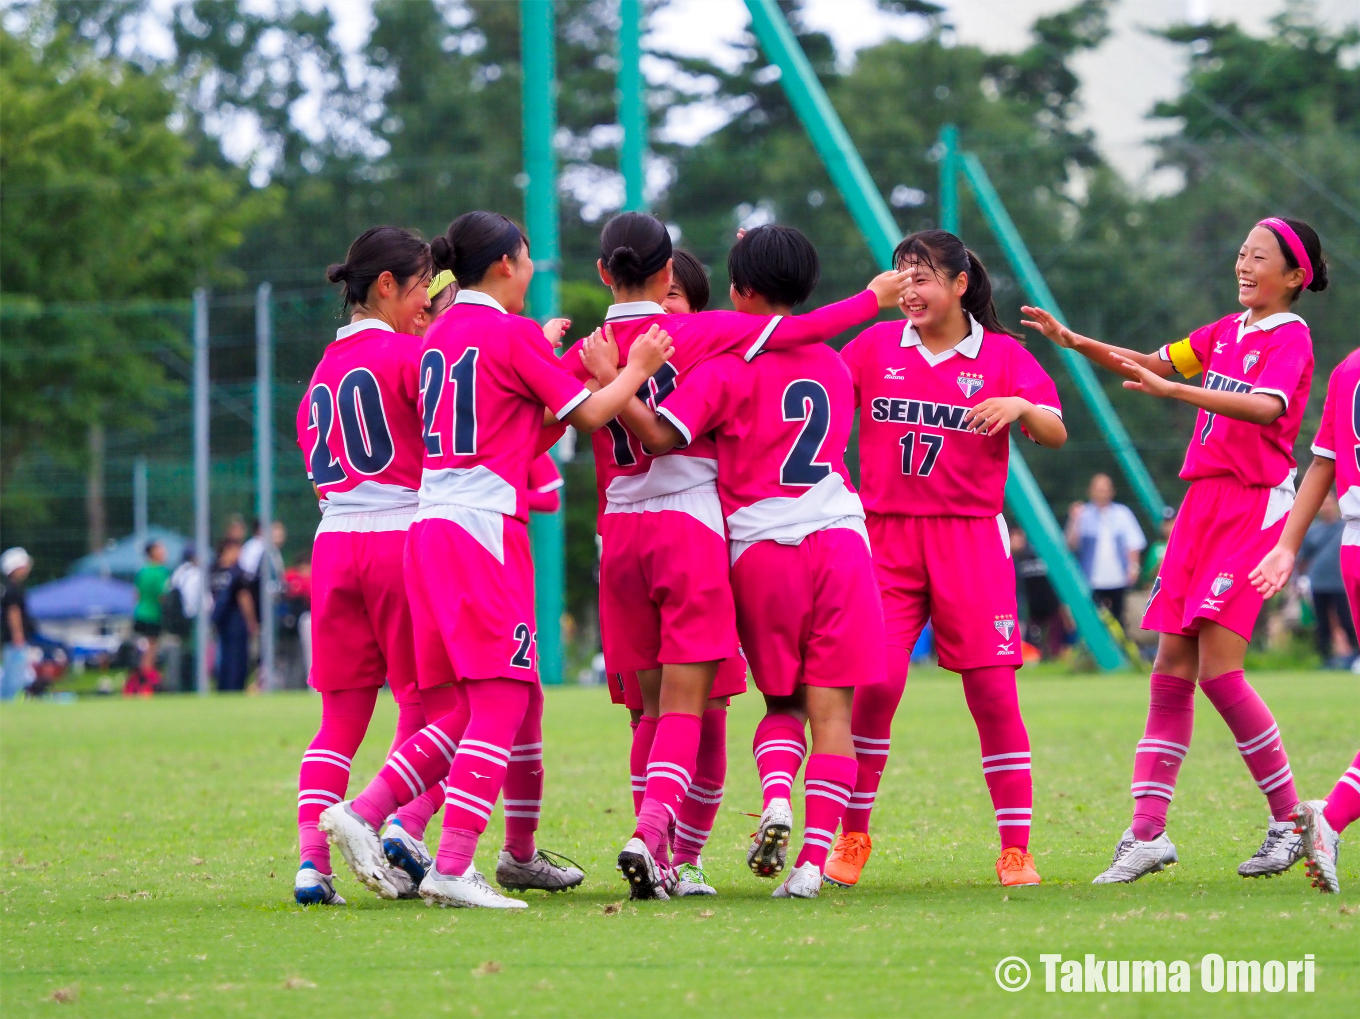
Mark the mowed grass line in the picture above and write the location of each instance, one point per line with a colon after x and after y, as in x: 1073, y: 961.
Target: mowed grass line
x: 148, y: 849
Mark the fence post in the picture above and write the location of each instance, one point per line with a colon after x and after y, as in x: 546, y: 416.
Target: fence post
x: 949, y: 179
x: 140, y: 523
x: 632, y: 106
x: 202, y: 548
x: 539, y: 98
x: 264, y: 467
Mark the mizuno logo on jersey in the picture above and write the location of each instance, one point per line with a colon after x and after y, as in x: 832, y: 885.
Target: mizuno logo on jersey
x: 1213, y: 380
x: 919, y: 412
x: 896, y: 374
x: 970, y: 383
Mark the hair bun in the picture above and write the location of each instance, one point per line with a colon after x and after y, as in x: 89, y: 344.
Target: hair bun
x: 624, y: 258
x: 441, y: 251
x: 338, y: 273
x: 1319, y: 282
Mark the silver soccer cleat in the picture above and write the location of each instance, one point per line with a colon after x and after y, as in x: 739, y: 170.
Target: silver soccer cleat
x: 1320, y: 845
x: 690, y: 879
x: 541, y: 872
x: 406, y: 852
x: 803, y: 882
x: 646, y: 878
x: 1133, y: 859
x: 313, y: 888
x: 770, y: 841
x: 1282, y: 848
x: 358, y: 844
x: 468, y: 890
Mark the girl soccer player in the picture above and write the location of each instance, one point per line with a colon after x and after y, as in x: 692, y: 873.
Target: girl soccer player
x: 359, y: 433
x: 665, y: 599
x: 807, y: 603
x: 937, y: 398
x: 489, y: 384
x: 1336, y: 461
x: 1257, y: 367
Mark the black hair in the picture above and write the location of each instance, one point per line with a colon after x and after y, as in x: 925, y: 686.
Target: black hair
x: 149, y: 546
x: 633, y: 247
x: 474, y: 242
x: 774, y: 262
x: 374, y: 252
x: 692, y: 279
x: 944, y: 254
x: 1312, y: 247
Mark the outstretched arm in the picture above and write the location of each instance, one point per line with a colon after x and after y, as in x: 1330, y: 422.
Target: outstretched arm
x: 1257, y: 408
x: 1107, y: 355
x: 1274, y: 570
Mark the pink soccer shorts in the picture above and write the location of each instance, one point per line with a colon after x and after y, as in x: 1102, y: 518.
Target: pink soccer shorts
x: 730, y: 681
x: 665, y: 596
x: 810, y: 614
x: 956, y: 572
x: 473, y: 615
x: 361, y: 622
x: 1219, y: 536
x: 1350, y: 576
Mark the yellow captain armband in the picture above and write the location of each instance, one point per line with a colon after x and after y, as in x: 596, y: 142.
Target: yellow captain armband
x: 1183, y: 359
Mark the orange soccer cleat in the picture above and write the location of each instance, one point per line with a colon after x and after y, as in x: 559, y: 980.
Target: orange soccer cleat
x: 848, y: 858
x: 1015, y: 868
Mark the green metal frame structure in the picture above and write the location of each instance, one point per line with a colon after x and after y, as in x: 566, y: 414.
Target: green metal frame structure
x: 539, y: 100
x: 632, y: 106
x: 880, y: 230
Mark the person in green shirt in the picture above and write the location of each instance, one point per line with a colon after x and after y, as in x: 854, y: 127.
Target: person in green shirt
x: 150, y: 582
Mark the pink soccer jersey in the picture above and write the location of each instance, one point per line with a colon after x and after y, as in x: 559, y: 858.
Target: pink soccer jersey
x: 1338, y: 437
x: 357, y: 424
x: 544, y: 481
x: 485, y: 377
x: 780, y: 426
x: 1274, y: 356
x: 623, y: 467
x: 917, y: 457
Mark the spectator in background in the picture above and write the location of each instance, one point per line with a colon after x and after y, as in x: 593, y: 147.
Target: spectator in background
x: 1152, y: 562
x: 18, y: 625
x: 1319, y: 563
x: 151, y: 582
x: 233, y: 615
x: 1044, y: 624
x: 1107, y: 539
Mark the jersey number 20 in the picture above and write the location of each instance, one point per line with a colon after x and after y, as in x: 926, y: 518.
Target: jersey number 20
x: 363, y: 428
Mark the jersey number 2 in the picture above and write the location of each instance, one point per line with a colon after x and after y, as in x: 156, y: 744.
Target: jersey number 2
x: 521, y: 658
x: 806, y: 401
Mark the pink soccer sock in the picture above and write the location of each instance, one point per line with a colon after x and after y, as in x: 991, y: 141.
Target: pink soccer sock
x: 1343, y: 802
x: 496, y: 711
x: 871, y: 724
x: 415, y: 766
x: 1157, y: 759
x: 324, y: 774
x: 827, y: 782
x: 644, y: 732
x: 410, y: 720
x: 779, y: 746
x: 670, y: 769
x: 1258, y: 739
x: 448, y: 705
x: 524, y: 781
x: 995, y: 704
x: 694, y: 822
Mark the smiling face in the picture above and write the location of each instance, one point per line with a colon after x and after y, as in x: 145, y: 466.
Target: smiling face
x: 1264, y: 280
x: 931, y: 298
x: 676, y: 302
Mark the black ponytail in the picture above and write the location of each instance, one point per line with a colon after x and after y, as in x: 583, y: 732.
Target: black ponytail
x: 945, y: 255
x: 1312, y: 247
x: 474, y: 242
x: 634, y: 247
x: 375, y: 251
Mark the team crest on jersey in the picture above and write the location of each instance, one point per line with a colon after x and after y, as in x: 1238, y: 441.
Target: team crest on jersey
x: 1005, y: 625
x: 1221, y: 584
x: 896, y: 374
x: 1249, y: 362
x: 970, y: 383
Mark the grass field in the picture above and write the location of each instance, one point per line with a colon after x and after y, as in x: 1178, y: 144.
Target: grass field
x: 149, y: 846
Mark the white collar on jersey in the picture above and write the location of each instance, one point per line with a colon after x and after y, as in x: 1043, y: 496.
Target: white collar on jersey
x: 477, y: 297
x: 969, y: 347
x: 358, y: 327
x: 1266, y: 324
x: 633, y: 309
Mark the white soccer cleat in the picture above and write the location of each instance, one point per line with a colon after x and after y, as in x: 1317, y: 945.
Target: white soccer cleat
x: 803, y: 882
x: 690, y: 879
x: 313, y: 888
x: 1282, y: 849
x: 1320, y: 845
x: 358, y: 844
x: 406, y: 852
x: 466, y: 891
x: 646, y: 878
x: 770, y: 841
x: 541, y: 872
x: 1133, y: 859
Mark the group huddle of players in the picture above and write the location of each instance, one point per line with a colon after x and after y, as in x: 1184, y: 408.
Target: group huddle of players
x: 733, y: 543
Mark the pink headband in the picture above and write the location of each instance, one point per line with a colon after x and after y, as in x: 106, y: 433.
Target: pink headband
x: 1295, y: 246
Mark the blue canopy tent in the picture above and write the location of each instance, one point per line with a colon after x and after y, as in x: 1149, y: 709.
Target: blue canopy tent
x: 124, y: 557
